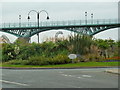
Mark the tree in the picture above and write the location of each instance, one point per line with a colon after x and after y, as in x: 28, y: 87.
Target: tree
x: 8, y: 52
x: 106, y: 46
x: 80, y: 44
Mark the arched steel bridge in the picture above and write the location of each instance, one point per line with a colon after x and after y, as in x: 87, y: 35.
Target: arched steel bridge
x: 91, y: 27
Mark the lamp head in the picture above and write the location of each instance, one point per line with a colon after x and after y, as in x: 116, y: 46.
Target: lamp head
x: 28, y: 17
x: 48, y: 17
x: 19, y: 16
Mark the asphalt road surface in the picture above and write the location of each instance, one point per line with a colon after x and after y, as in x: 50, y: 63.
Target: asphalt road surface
x: 58, y: 78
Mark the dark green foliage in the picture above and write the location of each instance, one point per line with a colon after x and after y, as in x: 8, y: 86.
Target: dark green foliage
x: 103, y: 44
x: 80, y: 44
x: 118, y: 43
x: 8, y: 52
x: 109, y: 48
x: 40, y: 60
x: 17, y: 62
x: 52, y: 53
x: 34, y: 52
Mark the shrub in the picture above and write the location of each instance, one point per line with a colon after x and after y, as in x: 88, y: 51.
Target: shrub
x: 80, y: 44
x: 5, y: 58
x: 92, y: 57
x: 38, y: 60
x: 17, y: 62
x: 61, y: 59
x: 41, y: 60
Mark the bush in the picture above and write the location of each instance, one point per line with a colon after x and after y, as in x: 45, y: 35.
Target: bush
x: 5, y: 58
x: 92, y: 57
x: 17, y: 62
x: 41, y: 60
x: 79, y: 44
x: 38, y: 60
x: 61, y: 59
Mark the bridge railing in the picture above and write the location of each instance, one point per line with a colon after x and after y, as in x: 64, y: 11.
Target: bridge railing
x: 60, y: 23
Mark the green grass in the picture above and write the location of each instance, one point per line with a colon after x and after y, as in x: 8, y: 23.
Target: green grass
x: 0, y: 64
x: 72, y: 65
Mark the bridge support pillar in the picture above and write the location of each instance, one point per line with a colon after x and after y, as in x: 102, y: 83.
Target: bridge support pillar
x: 24, y: 39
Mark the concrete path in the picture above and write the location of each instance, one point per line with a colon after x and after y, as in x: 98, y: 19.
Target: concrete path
x: 114, y: 71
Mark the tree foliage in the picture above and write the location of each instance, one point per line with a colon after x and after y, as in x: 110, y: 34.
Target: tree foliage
x: 80, y: 44
x: 52, y: 52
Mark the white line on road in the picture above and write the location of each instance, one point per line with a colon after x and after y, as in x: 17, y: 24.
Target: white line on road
x: 4, y: 81
x: 78, y: 77
x: 64, y: 75
x: 91, y: 71
x: 86, y: 76
x: 70, y: 76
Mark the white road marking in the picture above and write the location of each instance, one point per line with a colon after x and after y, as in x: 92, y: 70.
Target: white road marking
x: 71, y: 76
x: 65, y: 75
x: 4, y: 81
x: 78, y: 77
x: 92, y: 71
x: 86, y: 76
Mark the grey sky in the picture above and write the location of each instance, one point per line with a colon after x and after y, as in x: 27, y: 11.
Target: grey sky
x: 61, y: 11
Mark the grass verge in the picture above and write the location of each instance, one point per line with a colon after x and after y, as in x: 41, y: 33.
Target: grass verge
x: 71, y: 65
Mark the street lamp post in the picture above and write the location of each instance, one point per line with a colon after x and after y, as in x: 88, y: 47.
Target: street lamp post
x: 38, y: 17
x: 91, y: 18
x: 19, y: 20
x: 86, y: 18
x: 28, y: 20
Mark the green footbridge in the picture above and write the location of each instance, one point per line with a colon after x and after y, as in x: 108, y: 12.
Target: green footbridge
x: 89, y: 27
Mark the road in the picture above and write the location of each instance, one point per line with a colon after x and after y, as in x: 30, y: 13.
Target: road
x: 58, y: 78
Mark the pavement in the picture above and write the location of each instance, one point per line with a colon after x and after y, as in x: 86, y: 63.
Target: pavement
x: 59, y: 78
x: 113, y: 71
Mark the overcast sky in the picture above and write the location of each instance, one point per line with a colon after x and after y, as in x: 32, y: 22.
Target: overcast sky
x: 60, y: 11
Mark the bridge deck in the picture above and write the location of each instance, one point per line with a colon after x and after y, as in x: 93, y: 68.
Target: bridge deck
x: 89, y: 27
x: 53, y: 24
